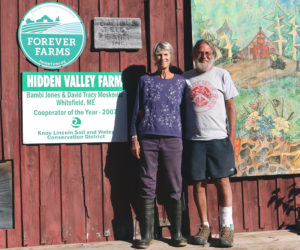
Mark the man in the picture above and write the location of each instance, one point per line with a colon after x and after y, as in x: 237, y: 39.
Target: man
x: 210, y: 125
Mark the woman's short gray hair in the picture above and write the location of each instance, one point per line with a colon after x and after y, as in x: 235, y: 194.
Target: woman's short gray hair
x: 163, y: 46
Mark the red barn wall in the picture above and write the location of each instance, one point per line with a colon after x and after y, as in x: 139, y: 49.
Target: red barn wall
x: 87, y: 192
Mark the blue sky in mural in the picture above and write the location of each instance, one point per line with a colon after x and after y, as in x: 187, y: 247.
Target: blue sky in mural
x: 243, y: 16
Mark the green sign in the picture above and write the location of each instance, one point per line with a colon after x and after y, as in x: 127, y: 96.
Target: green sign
x: 51, y: 35
x: 73, y: 107
x: 72, y: 81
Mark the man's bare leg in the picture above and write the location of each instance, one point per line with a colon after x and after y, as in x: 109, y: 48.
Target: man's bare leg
x: 224, y: 192
x: 204, y: 232
x: 200, y: 199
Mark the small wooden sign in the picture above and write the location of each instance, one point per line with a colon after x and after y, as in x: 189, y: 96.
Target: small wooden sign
x: 117, y: 33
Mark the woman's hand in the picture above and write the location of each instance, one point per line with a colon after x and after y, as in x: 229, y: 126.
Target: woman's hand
x: 135, y: 148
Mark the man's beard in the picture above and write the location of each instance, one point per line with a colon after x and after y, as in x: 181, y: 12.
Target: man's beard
x: 204, y: 67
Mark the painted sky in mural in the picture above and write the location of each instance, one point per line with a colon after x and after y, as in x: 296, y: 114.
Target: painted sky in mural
x: 258, y: 42
x: 244, y: 15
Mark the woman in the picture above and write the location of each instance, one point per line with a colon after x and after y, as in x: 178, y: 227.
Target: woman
x: 156, y: 140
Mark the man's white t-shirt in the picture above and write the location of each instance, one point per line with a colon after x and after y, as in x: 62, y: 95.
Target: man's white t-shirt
x: 205, y: 113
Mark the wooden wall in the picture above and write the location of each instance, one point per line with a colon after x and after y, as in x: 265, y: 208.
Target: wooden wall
x: 87, y: 192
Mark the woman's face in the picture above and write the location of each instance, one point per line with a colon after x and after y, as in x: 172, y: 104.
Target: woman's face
x: 163, y: 59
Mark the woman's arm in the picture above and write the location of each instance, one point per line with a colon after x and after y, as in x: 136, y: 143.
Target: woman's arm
x: 135, y: 146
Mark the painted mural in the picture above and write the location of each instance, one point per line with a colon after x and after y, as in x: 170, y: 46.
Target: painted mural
x: 258, y: 42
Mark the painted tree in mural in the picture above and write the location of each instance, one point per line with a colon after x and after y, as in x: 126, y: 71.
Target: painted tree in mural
x: 293, y: 43
x: 203, y: 25
x: 203, y: 29
x: 278, y: 36
x: 292, y: 49
x: 226, y: 41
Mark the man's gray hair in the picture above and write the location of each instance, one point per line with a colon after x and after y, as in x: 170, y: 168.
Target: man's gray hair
x: 200, y: 42
x: 163, y: 46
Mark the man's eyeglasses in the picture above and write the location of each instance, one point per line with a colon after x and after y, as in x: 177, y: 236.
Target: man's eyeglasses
x: 206, y: 53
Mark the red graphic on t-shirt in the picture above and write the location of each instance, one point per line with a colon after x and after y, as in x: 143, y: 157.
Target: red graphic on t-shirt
x: 204, y: 96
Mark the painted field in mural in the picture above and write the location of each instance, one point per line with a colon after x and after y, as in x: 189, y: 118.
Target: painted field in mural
x: 258, y: 42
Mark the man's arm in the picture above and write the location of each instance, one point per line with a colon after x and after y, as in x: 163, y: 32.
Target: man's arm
x: 231, y: 116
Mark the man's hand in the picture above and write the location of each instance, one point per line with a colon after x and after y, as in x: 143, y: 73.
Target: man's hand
x: 232, y: 140
x: 135, y: 148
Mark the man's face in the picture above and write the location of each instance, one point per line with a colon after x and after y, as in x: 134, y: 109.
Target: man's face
x: 204, y: 58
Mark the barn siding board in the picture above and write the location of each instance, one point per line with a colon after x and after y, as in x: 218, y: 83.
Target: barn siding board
x: 30, y: 164
x: 49, y: 167
x: 73, y: 206
x: 297, y: 193
x: 285, y: 202
x: 237, y: 205
x: 75, y: 193
x: 297, y: 197
x: 250, y: 197
x: 106, y: 192
x: 133, y: 64
x: 91, y: 154
x: 30, y: 205
x: 2, y: 231
x: 91, y: 160
x: 72, y: 183
x: 74, y: 223
x: 180, y: 33
x: 267, y: 208
x: 162, y: 14
x: 109, y: 62
x: 10, y: 108
x: 134, y: 9
x: 50, y: 193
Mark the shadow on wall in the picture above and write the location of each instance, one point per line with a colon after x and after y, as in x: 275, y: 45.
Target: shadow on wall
x: 287, y: 203
x: 121, y: 167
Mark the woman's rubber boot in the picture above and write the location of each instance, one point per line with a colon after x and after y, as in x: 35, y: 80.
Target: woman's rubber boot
x: 174, y: 211
x: 146, y: 224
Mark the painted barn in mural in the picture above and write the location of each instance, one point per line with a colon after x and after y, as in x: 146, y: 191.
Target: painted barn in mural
x: 259, y: 44
x: 260, y: 47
